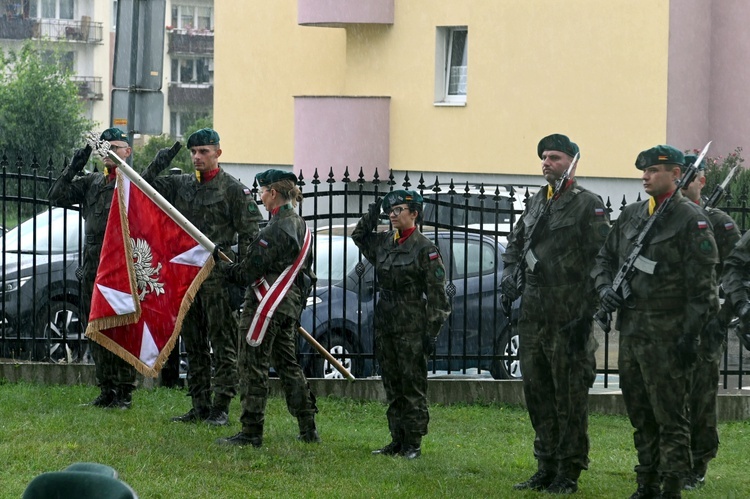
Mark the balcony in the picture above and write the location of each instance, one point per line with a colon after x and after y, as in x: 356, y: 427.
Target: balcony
x: 89, y: 87
x: 17, y: 28
x: 340, y: 131
x: 339, y: 13
x: 83, y: 31
x: 190, y: 94
x: 191, y: 42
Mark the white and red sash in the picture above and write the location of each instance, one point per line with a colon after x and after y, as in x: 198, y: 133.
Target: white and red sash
x: 270, y: 296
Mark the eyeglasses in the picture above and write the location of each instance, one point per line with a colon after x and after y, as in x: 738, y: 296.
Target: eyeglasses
x: 114, y: 148
x: 396, y: 211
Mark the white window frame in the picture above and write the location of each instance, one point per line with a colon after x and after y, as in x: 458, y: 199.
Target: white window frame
x: 443, y: 55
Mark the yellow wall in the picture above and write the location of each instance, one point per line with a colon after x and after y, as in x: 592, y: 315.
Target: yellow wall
x: 595, y: 70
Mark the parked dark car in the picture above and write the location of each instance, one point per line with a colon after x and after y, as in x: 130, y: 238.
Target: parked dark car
x: 40, y: 297
x: 340, y: 315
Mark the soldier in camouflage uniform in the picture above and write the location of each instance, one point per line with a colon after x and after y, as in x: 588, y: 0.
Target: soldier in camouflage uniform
x: 222, y: 209
x: 704, y: 388
x: 93, y: 192
x: 673, y: 297
x: 273, y: 251
x: 411, y: 308
x: 734, y: 281
x: 556, y: 342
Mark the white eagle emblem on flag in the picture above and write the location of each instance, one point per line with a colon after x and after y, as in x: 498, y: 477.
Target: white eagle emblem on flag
x: 144, y: 269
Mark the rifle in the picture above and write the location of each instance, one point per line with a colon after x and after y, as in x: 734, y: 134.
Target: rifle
x: 634, y: 261
x: 528, y: 259
x: 719, y: 191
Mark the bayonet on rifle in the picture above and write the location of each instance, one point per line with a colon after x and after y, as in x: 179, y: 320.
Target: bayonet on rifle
x: 620, y: 284
x: 719, y: 191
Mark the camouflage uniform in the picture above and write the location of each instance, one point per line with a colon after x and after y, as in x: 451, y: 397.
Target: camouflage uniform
x: 272, y: 251
x: 407, y: 274
x: 556, y: 343
x: 704, y: 388
x: 666, y: 308
x: 93, y: 192
x: 221, y: 209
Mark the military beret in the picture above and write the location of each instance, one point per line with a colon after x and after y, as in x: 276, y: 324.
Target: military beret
x: 203, y: 137
x: 557, y: 142
x: 271, y: 176
x: 401, y: 197
x: 112, y: 134
x: 660, y: 155
x: 690, y: 159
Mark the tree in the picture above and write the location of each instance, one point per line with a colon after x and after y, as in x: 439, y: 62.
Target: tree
x: 142, y: 156
x: 40, y: 113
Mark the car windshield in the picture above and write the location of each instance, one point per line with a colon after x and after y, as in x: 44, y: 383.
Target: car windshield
x: 329, y: 254
x: 34, y: 234
x: 461, y: 211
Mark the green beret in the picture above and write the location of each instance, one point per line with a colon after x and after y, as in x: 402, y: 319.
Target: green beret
x: 203, y: 137
x: 660, y: 155
x: 272, y: 176
x: 690, y: 159
x: 401, y: 197
x: 557, y: 142
x: 111, y: 134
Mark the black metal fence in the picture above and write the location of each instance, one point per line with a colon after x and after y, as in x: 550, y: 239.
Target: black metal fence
x: 40, y: 306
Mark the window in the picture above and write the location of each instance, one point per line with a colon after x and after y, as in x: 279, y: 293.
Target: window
x: 52, y: 9
x: 468, y: 255
x: 451, y: 59
x: 191, y: 71
x: 190, y: 17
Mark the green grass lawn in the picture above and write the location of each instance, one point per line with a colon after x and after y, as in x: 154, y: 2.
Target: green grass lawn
x: 471, y: 451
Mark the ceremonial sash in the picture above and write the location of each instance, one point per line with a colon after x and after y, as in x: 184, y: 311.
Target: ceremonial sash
x: 270, y: 296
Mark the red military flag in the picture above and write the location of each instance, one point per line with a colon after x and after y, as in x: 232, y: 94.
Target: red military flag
x: 149, y: 272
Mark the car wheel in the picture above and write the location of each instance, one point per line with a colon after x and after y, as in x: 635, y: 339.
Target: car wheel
x: 64, y: 321
x: 507, y: 344
x: 341, y: 349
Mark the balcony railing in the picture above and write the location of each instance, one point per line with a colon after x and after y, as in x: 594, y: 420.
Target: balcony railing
x: 83, y: 31
x: 191, y: 42
x: 89, y: 87
x: 200, y: 94
x: 17, y: 28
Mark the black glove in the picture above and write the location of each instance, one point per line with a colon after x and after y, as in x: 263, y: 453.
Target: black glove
x: 743, y: 328
x: 509, y: 287
x: 80, y: 158
x: 428, y: 344
x: 164, y: 157
x: 609, y: 299
x: 217, y: 249
x: 687, y: 350
x: 374, y: 210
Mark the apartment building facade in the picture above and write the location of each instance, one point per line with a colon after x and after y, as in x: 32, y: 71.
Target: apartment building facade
x: 465, y: 88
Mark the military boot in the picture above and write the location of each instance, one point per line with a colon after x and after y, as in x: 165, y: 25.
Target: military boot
x: 219, y: 414
x: 194, y: 415
x: 672, y: 487
x: 242, y: 439
x: 391, y: 449
x: 124, y: 398
x: 646, y: 492
x: 562, y: 485
x: 411, y: 449
x: 538, y: 481
x: 308, y: 433
x: 105, y: 398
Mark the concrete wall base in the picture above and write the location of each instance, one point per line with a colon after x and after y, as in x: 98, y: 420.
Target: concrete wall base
x: 731, y: 407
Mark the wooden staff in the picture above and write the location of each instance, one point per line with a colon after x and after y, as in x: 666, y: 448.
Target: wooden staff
x: 325, y: 353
